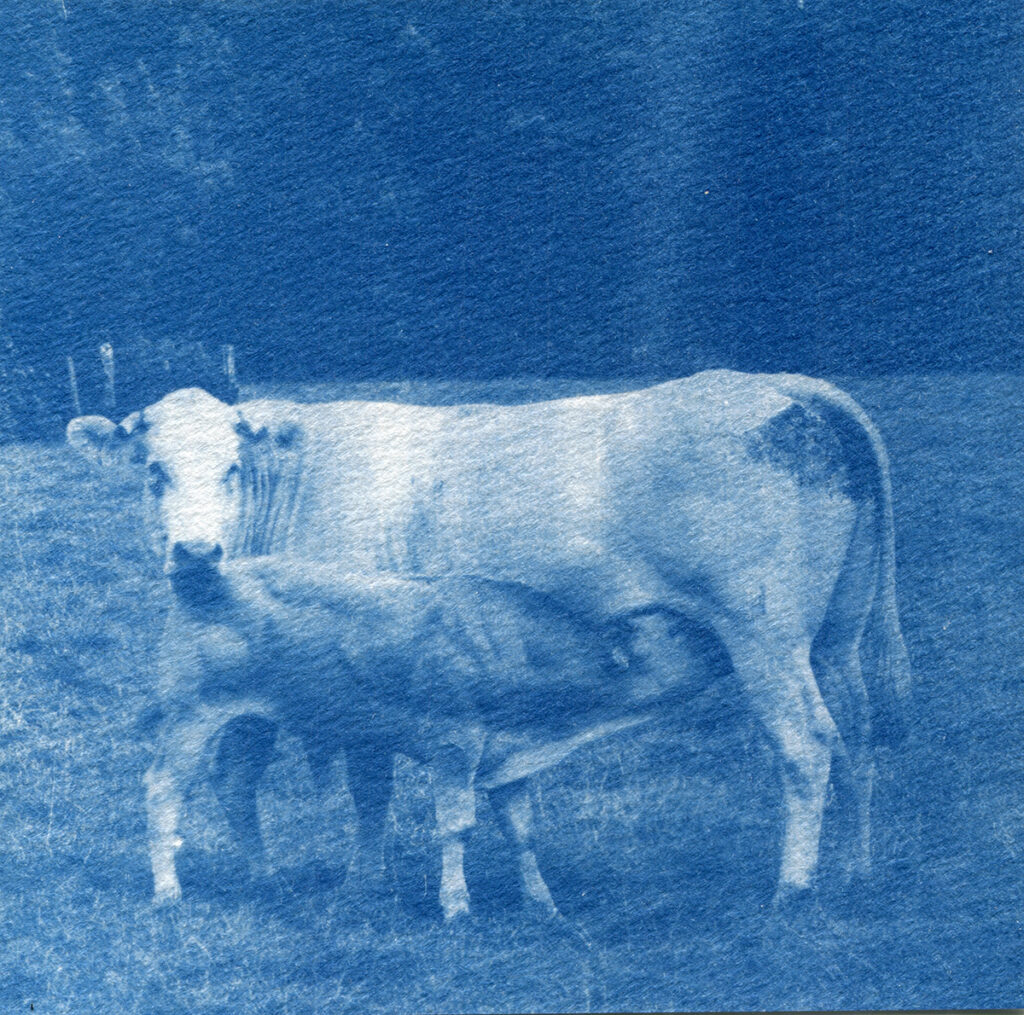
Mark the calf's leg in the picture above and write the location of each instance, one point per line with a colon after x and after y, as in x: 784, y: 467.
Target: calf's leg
x: 455, y: 808
x: 514, y: 808
x: 181, y: 746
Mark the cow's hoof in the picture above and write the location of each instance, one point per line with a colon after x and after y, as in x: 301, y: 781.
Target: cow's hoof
x: 860, y: 897
x: 550, y: 924
x: 260, y: 872
x: 571, y: 931
x: 793, y: 907
x: 371, y: 905
x: 166, y: 896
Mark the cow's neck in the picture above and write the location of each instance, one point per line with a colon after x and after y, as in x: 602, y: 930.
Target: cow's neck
x: 270, y: 495
x: 200, y: 591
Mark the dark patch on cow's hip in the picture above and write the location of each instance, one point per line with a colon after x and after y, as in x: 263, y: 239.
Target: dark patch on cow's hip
x: 803, y: 444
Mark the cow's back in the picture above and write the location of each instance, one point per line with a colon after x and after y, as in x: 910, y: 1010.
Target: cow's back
x: 551, y: 494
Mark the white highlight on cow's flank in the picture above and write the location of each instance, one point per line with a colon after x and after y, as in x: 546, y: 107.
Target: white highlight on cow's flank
x: 401, y: 450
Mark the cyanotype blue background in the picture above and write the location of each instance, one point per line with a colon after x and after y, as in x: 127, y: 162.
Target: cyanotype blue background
x: 561, y: 189
x: 517, y: 194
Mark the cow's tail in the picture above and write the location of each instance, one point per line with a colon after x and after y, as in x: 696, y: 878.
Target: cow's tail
x: 884, y: 658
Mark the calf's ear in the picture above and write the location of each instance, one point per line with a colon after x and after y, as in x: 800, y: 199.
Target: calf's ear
x: 98, y: 439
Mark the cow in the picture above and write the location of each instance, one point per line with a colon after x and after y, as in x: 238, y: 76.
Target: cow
x: 487, y: 683
x: 758, y: 507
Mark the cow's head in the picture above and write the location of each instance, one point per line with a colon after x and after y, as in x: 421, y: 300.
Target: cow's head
x: 193, y: 451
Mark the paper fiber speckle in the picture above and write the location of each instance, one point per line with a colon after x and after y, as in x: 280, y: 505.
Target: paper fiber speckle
x: 510, y: 508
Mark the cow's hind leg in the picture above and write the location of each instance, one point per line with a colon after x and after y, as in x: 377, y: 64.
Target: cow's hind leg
x: 245, y: 750
x: 180, y: 749
x: 835, y: 657
x: 854, y: 769
x: 514, y: 808
x: 781, y: 685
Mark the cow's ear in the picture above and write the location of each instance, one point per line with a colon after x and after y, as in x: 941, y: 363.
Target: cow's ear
x: 133, y: 425
x: 94, y: 437
x: 107, y: 443
x: 244, y: 430
x: 288, y: 436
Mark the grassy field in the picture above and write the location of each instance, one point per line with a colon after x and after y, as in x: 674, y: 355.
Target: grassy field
x: 661, y: 851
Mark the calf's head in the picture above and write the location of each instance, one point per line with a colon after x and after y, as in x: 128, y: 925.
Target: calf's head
x: 190, y: 450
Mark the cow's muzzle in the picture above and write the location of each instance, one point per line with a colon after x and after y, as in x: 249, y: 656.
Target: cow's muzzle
x: 195, y: 556
x: 195, y: 577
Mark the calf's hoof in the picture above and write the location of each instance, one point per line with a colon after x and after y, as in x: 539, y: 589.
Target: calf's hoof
x: 541, y: 910
x: 455, y: 907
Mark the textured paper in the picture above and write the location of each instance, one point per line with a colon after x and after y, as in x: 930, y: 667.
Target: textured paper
x: 443, y: 205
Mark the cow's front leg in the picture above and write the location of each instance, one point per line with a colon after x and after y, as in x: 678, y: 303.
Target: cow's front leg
x: 514, y: 807
x: 180, y: 748
x: 245, y: 750
x: 370, y: 774
x: 455, y: 807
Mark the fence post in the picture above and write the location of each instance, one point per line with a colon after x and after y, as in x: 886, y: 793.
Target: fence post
x: 107, y: 357
x: 228, y: 362
x: 76, y: 403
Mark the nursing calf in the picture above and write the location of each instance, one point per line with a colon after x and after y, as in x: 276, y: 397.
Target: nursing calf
x: 487, y: 683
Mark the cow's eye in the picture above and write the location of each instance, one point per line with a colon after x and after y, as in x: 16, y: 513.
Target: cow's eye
x: 232, y: 475
x: 157, y: 479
